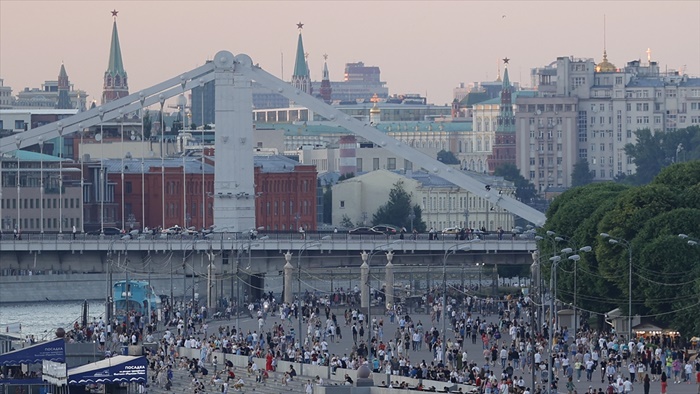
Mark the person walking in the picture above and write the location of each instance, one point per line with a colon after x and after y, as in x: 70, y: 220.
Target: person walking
x: 647, y: 383
x: 664, y: 383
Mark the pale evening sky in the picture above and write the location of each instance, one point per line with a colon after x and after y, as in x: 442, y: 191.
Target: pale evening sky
x: 420, y: 46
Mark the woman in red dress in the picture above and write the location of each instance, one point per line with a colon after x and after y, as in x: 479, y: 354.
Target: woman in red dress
x: 268, y: 362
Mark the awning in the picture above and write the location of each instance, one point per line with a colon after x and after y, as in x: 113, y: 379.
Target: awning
x: 110, y: 370
x: 53, y: 351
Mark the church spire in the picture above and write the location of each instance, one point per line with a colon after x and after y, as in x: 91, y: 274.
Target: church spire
x: 301, y: 79
x: 115, y: 78
x: 63, y: 89
x: 326, y: 82
x: 503, y: 148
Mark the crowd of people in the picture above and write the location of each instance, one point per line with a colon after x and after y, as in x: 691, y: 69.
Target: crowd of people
x: 513, y: 343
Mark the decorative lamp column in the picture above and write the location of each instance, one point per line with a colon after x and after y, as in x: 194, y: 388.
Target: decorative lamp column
x: 288, y: 274
x: 389, y: 281
x: 364, y: 280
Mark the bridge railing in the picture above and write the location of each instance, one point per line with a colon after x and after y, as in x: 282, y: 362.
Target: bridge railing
x: 243, y: 241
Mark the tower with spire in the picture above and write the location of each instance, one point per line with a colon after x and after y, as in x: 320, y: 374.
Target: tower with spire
x: 63, y: 90
x: 326, y: 90
x: 115, y: 79
x: 503, y: 149
x: 301, y: 78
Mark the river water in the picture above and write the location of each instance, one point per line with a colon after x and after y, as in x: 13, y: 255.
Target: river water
x: 42, y: 319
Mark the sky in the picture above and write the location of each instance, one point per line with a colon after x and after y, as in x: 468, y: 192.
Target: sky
x: 425, y: 47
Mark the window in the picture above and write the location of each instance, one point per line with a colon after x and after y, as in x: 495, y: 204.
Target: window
x: 359, y: 164
x: 19, y: 124
x: 375, y: 164
x: 342, y: 203
x: 391, y: 163
x: 127, y: 187
x: 532, y: 161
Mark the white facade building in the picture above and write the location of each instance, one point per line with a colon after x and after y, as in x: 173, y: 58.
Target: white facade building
x: 596, y: 108
x: 442, y: 203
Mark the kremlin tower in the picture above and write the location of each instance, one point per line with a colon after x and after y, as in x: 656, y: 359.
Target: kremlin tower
x: 504, y: 145
x: 115, y: 80
x: 301, y: 78
x: 63, y: 90
x: 326, y: 90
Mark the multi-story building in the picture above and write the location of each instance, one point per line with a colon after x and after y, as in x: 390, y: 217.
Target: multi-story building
x: 58, y: 93
x: 159, y: 193
x: 5, y: 95
x: 442, y: 203
x: 597, y: 108
x: 38, y: 195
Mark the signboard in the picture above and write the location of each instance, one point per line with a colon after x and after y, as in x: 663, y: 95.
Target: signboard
x: 54, y: 373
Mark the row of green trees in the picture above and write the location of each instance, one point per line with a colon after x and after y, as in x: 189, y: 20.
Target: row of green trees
x: 666, y: 269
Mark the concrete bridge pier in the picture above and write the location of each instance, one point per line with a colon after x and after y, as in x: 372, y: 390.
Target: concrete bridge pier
x: 389, y: 280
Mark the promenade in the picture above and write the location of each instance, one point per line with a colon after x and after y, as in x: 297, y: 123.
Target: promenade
x: 344, y: 347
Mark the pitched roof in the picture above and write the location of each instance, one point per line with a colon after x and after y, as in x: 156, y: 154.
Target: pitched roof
x: 300, y: 69
x: 115, y: 65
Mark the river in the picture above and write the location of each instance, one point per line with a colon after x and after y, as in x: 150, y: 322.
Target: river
x: 42, y: 319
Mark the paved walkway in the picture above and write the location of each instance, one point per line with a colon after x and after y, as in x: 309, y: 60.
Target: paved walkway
x: 475, y: 351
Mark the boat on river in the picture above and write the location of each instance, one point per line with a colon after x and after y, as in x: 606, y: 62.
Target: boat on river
x: 135, y: 296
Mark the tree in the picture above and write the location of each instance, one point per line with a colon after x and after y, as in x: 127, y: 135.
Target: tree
x: 649, y: 217
x: 447, y: 157
x: 654, y: 151
x: 525, y: 191
x: 397, y: 209
x: 582, y: 174
x: 346, y: 222
x: 147, y: 125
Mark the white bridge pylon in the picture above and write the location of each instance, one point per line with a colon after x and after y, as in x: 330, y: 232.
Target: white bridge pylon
x: 234, y: 194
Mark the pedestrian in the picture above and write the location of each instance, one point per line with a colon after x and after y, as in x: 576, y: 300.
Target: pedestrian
x: 647, y: 383
x: 664, y: 383
x: 74, y: 231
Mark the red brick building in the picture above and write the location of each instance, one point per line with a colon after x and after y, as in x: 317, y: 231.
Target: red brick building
x: 285, y: 193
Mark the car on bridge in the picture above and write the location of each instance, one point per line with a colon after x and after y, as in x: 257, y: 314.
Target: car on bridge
x: 451, y: 230
x: 386, y: 229
x: 107, y: 231
x: 364, y: 231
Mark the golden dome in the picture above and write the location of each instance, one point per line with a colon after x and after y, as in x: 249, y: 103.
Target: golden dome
x: 374, y: 109
x: 605, y: 66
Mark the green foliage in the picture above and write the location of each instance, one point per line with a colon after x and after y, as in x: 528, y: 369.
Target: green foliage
x: 346, y: 222
x: 397, y: 209
x: 525, y: 191
x: 582, y: 174
x: 648, y: 219
x: 327, y: 204
x: 346, y: 176
x: 147, y: 125
x: 447, y: 157
x: 654, y: 151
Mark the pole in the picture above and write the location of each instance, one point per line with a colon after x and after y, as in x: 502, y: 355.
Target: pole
x: 575, y: 290
x: 552, y: 295
x: 121, y: 131
x: 102, y: 181
x: 238, y: 292
x: 629, y: 305
x: 41, y: 184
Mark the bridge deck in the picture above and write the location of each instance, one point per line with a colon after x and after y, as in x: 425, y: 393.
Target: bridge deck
x: 235, y: 241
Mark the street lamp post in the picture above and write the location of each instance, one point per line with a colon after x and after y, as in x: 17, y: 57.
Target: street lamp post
x: 304, y: 246
x: 411, y: 216
x: 575, y: 259
x: 451, y: 250
x: 628, y: 246
x: 552, y: 290
x: 381, y: 248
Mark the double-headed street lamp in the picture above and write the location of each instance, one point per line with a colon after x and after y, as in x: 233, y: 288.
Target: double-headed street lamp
x: 575, y: 259
x: 381, y: 248
x: 552, y: 296
x: 624, y: 243
x: 451, y: 250
x: 304, y: 246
